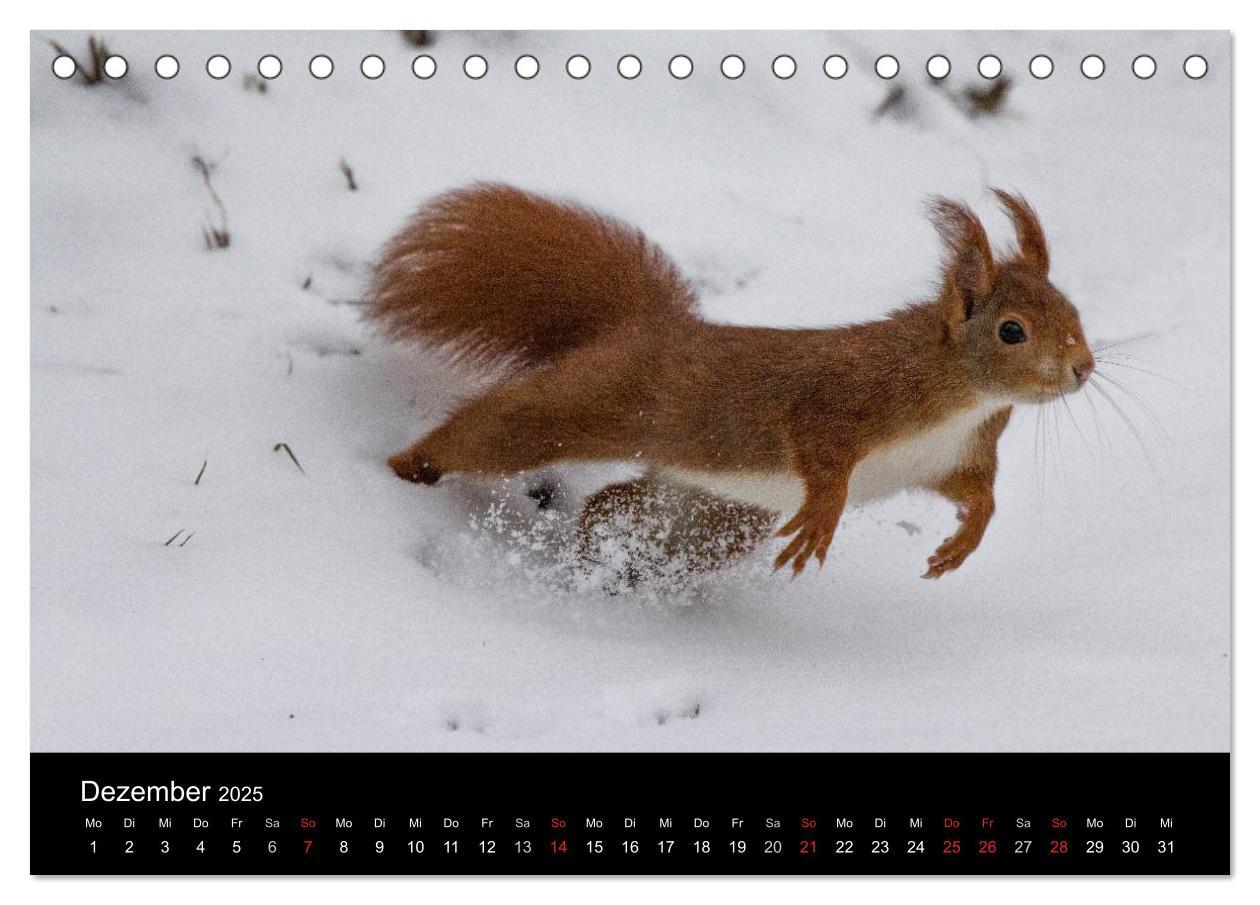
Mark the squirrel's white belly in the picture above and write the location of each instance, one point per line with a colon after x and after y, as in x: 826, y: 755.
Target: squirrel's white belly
x: 918, y: 461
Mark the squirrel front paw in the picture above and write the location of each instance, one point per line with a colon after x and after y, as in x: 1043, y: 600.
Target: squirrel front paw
x: 951, y: 554
x: 411, y: 465
x: 814, y: 527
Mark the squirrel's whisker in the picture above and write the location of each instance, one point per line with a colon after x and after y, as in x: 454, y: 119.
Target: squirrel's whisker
x: 1121, y: 364
x: 1111, y: 355
x: 1039, y: 456
x: 1036, y: 434
x: 1058, y: 438
x: 1121, y: 342
x: 1103, y: 438
x: 1067, y: 406
x: 1161, y: 433
x: 1128, y: 422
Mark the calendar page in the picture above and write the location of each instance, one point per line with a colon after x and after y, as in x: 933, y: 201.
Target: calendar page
x: 688, y: 452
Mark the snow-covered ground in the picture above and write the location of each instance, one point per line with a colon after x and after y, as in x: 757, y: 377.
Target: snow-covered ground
x: 336, y: 607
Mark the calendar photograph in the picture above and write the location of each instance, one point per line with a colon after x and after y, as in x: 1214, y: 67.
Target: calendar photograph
x: 626, y: 392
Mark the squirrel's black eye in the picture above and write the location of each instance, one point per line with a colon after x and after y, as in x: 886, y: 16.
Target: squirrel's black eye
x: 1011, y: 333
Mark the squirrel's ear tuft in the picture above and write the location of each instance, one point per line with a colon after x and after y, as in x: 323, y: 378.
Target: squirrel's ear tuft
x: 1028, y: 232
x: 969, y: 272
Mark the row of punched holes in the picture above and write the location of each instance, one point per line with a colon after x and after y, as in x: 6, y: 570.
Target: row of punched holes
x: 630, y: 66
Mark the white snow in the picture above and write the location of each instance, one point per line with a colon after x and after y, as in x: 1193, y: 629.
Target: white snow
x: 339, y: 608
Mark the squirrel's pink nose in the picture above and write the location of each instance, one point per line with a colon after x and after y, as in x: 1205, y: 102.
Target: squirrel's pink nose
x: 1082, y: 371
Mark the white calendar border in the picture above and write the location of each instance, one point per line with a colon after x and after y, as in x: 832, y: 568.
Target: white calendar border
x: 916, y: 14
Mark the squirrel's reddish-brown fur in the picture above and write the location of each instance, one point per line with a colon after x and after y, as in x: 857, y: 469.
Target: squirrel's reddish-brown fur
x: 612, y: 363
x: 498, y: 276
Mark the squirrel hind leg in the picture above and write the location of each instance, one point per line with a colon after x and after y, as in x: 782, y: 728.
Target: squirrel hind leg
x: 511, y: 430
x: 412, y: 464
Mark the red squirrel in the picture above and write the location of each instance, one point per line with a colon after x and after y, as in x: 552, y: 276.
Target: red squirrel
x: 604, y: 357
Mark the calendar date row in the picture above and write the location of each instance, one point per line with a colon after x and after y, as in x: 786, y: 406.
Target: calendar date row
x: 567, y: 846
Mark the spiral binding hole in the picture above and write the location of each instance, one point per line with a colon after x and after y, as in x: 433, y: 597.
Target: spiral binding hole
x: 321, y: 66
x: 989, y: 66
x: 1093, y: 66
x: 115, y: 66
x: 527, y: 66
x: 835, y: 66
x: 578, y: 66
x: 1041, y: 66
x: 784, y: 67
x: 424, y: 66
x: 269, y: 67
x: 887, y: 67
x: 1144, y: 66
x: 732, y: 66
x: 166, y: 66
x: 938, y: 66
x: 629, y: 66
x: 218, y: 66
x: 64, y: 67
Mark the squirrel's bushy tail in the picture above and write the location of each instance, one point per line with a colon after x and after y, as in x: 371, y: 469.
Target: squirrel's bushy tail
x: 501, y: 276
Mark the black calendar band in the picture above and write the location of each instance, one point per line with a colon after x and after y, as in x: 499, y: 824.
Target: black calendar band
x: 441, y: 814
